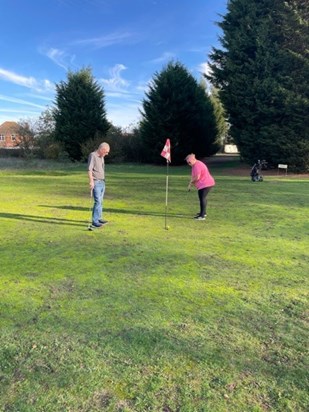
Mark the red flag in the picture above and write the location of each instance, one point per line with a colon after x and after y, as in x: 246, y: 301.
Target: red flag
x: 166, y: 152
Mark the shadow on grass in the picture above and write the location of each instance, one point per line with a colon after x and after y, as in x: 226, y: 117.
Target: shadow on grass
x: 43, y: 219
x: 122, y: 211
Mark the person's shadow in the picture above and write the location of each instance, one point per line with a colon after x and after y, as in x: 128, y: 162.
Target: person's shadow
x: 80, y: 223
x: 42, y: 219
x: 119, y: 211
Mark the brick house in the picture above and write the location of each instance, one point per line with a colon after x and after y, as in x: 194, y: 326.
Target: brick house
x: 9, y: 136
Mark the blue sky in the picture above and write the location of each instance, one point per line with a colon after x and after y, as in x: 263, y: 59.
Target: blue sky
x: 125, y: 42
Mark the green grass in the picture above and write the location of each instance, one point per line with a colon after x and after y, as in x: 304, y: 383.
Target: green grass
x: 208, y: 316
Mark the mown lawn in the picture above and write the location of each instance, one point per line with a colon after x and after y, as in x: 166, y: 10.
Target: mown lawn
x: 208, y: 316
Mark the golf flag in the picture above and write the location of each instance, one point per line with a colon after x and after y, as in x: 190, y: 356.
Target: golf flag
x: 166, y: 152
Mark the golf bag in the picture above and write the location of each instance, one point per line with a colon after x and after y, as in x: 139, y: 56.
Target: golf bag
x: 256, y: 175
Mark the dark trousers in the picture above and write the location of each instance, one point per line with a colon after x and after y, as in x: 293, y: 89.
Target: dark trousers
x: 202, y: 195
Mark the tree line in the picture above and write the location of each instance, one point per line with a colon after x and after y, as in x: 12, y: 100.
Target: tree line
x: 258, y: 98
x: 176, y: 106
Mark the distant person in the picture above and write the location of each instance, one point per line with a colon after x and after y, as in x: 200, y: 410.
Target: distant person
x: 96, y: 173
x: 202, y: 180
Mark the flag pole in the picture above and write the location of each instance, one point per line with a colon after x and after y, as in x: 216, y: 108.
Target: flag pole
x: 166, y: 194
x: 166, y: 153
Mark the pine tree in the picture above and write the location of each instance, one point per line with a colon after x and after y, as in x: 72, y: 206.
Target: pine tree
x: 80, y: 112
x: 220, y: 115
x: 262, y: 73
x: 176, y: 107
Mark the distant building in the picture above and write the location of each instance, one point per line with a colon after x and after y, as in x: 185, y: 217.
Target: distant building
x: 230, y: 148
x: 9, y: 136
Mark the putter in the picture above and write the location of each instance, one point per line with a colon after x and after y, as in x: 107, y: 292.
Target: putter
x: 90, y: 227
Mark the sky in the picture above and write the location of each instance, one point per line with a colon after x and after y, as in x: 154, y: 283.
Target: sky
x: 124, y: 42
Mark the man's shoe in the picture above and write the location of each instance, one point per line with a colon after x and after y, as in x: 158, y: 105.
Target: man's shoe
x: 96, y: 224
x: 103, y: 222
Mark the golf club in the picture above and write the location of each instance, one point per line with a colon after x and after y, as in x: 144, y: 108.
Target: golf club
x: 90, y: 227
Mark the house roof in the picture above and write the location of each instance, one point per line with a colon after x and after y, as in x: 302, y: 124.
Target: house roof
x: 9, y: 127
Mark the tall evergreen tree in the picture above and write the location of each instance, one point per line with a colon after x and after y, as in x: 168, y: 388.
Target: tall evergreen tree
x: 220, y: 115
x: 262, y: 73
x: 80, y: 112
x: 178, y: 108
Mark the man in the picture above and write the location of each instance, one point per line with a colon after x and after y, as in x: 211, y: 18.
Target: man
x: 96, y: 174
x: 202, y: 180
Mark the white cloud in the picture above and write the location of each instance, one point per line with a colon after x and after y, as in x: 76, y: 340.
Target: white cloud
x: 163, y: 58
x: 59, y: 57
x: 116, y: 83
x: 122, y: 105
x: 104, y: 41
x: 20, y: 101
x: 29, y: 82
x: 204, y: 68
x: 15, y: 115
x: 47, y: 86
x: 12, y: 77
x: 41, y: 97
x: 123, y: 115
x: 144, y: 87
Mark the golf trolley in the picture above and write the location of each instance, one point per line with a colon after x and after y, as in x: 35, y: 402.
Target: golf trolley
x: 256, y: 175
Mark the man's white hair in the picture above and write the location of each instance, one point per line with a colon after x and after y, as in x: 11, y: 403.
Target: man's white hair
x: 104, y: 145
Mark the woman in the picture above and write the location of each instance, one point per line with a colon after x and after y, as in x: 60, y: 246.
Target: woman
x: 202, y: 180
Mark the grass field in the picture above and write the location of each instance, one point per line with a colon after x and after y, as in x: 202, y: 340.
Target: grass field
x: 208, y: 316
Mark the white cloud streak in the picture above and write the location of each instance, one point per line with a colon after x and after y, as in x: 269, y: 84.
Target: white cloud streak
x: 116, y: 83
x: 20, y: 101
x: 104, y: 41
x: 29, y: 82
x: 59, y: 57
x: 12, y: 77
x: 163, y: 58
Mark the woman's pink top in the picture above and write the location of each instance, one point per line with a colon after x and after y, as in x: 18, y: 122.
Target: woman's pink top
x: 205, y: 179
